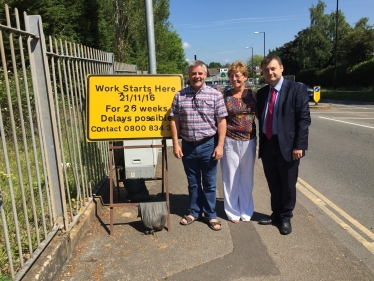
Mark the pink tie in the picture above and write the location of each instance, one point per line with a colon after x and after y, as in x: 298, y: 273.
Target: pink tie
x: 269, y: 116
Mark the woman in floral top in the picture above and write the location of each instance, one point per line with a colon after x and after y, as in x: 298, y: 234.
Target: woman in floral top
x: 237, y: 163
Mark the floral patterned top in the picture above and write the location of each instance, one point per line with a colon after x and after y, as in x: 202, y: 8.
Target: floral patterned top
x: 241, y: 116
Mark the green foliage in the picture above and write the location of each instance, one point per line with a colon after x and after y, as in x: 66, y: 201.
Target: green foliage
x: 105, y: 27
x: 169, y: 54
x: 289, y: 54
x: 313, y: 54
x: 308, y: 76
x: 131, y: 37
x: 315, y: 50
x: 348, y: 95
x: 18, y: 177
x: 13, y: 106
x: 87, y: 22
x: 5, y: 278
x: 362, y: 74
x: 28, y: 189
x: 256, y: 60
x: 359, y: 75
x: 20, y: 184
x: 358, y: 45
x: 325, y: 76
x: 111, y: 26
x: 317, y: 16
x: 214, y: 65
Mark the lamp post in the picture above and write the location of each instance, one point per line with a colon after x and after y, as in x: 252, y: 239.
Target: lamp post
x: 253, y: 73
x: 336, y: 38
x: 257, y: 32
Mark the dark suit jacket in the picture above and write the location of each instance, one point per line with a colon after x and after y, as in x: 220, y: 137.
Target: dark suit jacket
x: 293, y: 117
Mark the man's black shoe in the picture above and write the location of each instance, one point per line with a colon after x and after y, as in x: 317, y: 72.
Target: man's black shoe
x: 266, y: 221
x: 286, y: 228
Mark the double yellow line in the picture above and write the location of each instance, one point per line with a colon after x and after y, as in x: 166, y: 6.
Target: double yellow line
x: 326, y: 205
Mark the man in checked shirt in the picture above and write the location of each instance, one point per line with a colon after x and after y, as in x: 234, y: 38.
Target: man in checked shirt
x: 198, y: 118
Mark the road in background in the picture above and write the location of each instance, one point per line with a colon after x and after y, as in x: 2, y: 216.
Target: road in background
x: 339, y: 167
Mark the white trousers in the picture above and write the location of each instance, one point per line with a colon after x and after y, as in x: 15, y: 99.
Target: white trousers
x: 237, y: 166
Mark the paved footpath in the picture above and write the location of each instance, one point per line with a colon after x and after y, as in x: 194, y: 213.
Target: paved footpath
x: 243, y: 251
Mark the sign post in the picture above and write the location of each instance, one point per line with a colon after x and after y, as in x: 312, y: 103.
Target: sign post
x: 122, y: 107
x: 317, y: 94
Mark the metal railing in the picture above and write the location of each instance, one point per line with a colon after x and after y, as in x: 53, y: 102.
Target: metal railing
x: 48, y: 172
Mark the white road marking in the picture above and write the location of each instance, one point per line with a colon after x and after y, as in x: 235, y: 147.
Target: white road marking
x: 370, y: 127
x: 358, y: 118
x: 340, y: 112
x: 350, y: 106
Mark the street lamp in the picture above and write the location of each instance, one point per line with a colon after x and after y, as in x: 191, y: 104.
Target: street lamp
x: 257, y: 32
x: 253, y: 74
x: 336, y: 38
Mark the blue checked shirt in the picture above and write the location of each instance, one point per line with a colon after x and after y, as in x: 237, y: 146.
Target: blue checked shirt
x: 198, y: 112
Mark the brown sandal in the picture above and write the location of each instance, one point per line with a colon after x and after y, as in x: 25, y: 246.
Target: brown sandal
x: 188, y: 220
x: 212, y: 224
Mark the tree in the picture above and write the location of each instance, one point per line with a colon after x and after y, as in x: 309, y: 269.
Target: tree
x: 131, y: 36
x: 170, y: 54
x: 318, y: 17
x: 313, y: 47
x: 289, y: 53
x: 86, y: 22
x: 116, y: 26
x: 358, y: 45
x: 256, y: 60
x: 214, y: 65
x: 315, y: 42
x: 256, y: 63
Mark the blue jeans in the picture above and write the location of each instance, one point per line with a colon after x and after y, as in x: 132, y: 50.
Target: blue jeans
x: 201, y: 172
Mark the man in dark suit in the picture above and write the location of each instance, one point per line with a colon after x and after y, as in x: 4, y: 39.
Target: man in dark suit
x: 284, y: 118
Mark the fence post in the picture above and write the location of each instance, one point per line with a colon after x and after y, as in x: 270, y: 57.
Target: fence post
x: 43, y: 92
x: 111, y: 59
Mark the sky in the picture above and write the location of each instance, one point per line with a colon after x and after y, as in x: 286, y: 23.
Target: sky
x: 220, y: 31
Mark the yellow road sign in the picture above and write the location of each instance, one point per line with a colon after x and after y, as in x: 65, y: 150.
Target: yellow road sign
x: 317, y: 93
x: 123, y: 107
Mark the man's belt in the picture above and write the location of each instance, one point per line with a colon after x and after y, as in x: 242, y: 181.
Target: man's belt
x: 198, y: 142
